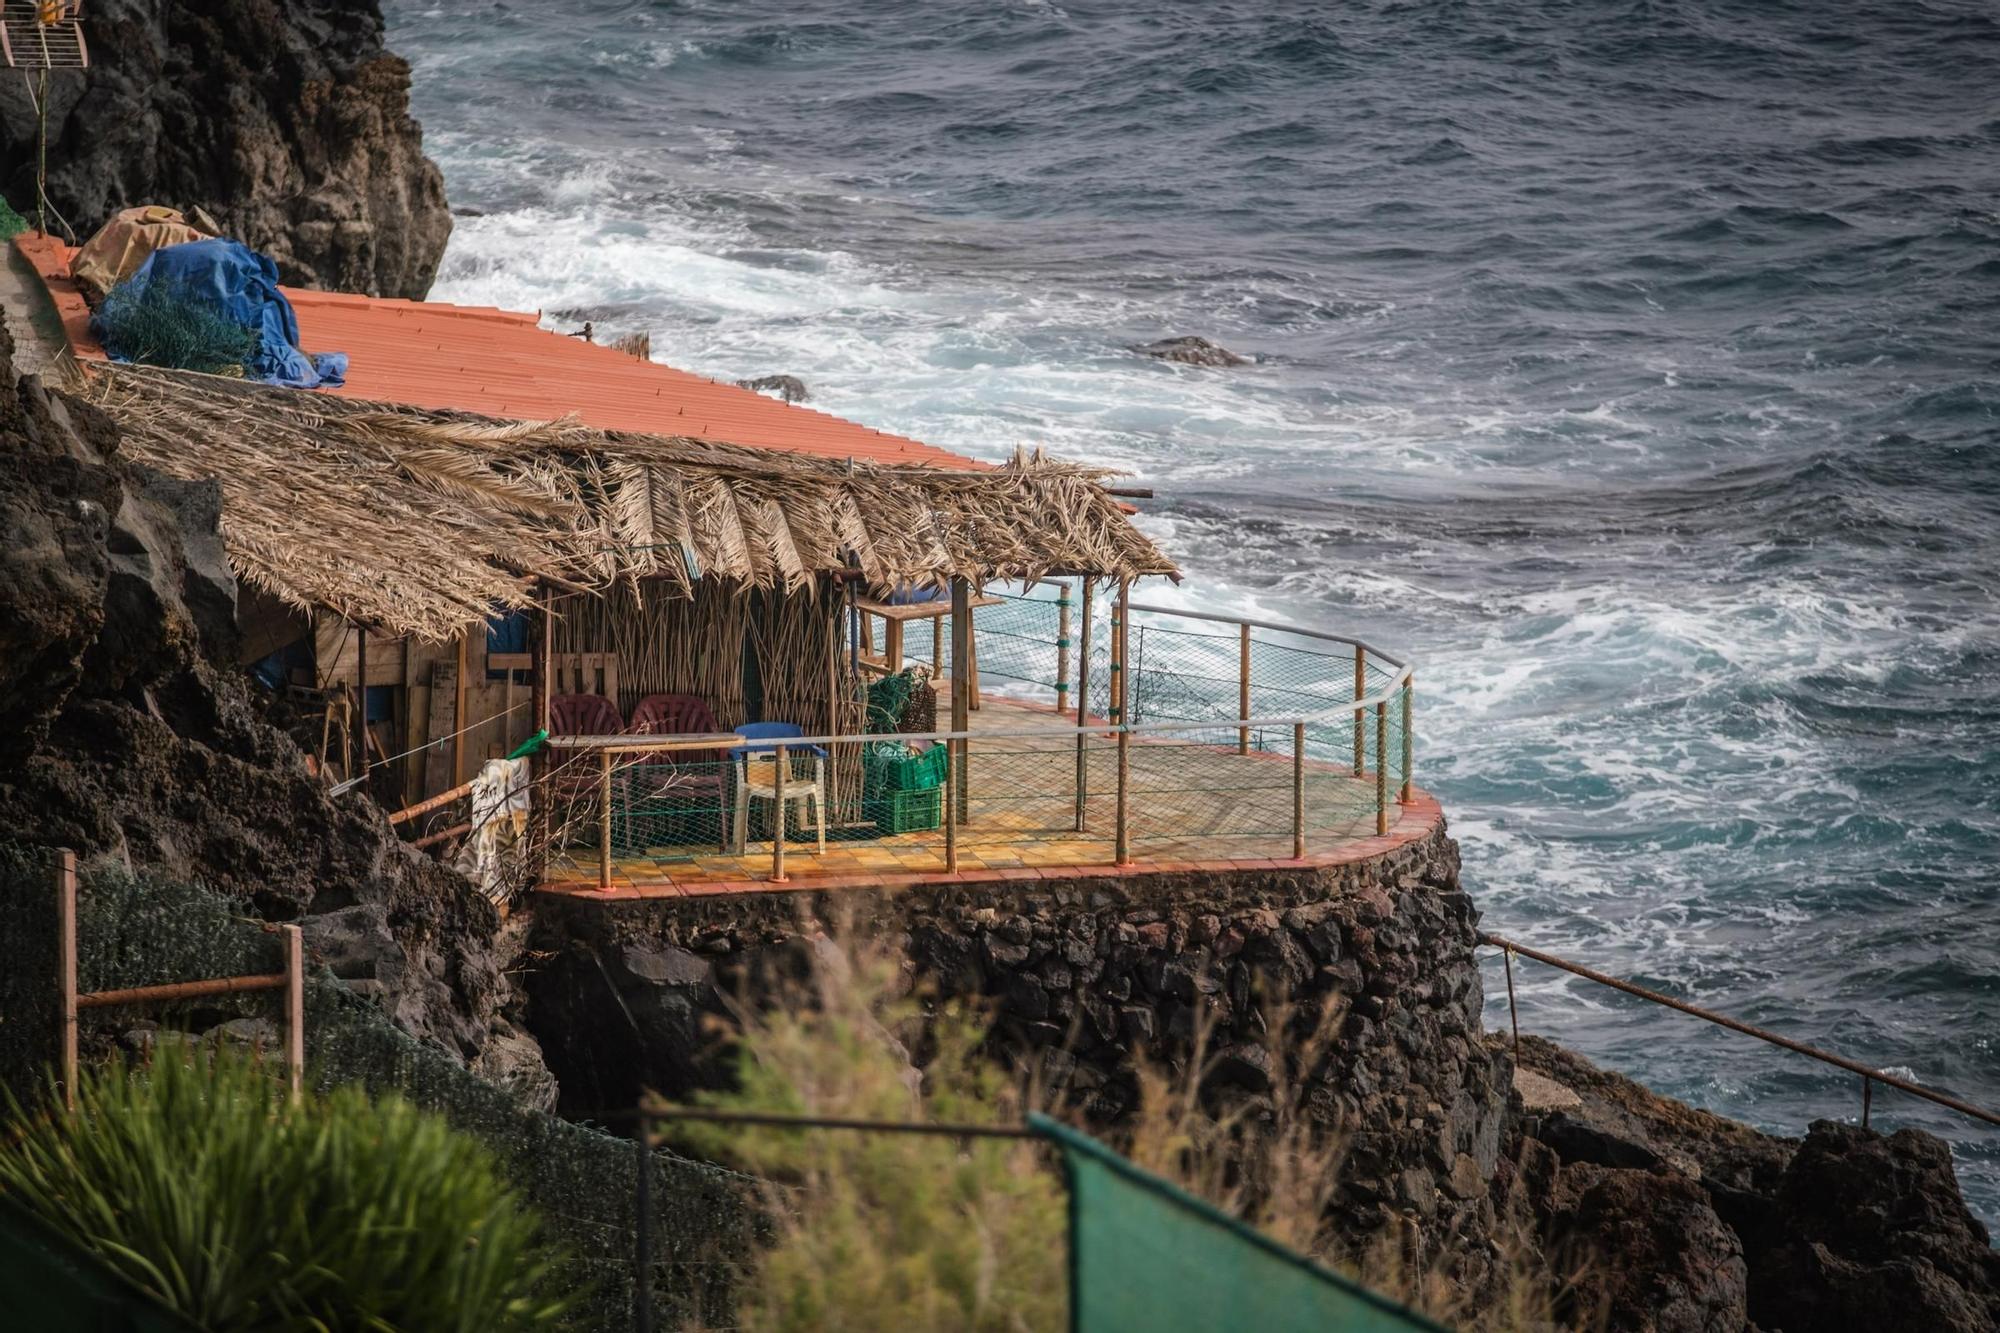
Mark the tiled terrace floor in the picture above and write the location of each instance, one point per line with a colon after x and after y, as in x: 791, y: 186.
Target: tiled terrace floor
x: 1196, y: 805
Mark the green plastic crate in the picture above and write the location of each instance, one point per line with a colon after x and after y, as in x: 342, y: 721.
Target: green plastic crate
x: 908, y: 811
x: 886, y: 770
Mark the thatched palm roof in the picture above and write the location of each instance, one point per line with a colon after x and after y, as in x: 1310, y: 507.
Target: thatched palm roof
x: 421, y: 522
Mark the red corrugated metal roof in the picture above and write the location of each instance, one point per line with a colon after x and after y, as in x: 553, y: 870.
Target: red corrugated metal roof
x: 500, y: 363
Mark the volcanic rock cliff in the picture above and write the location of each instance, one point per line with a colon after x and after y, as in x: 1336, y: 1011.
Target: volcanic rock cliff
x: 286, y: 119
x: 130, y: 733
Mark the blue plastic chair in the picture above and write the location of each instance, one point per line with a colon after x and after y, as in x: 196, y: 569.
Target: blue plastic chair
x: 766, y: 737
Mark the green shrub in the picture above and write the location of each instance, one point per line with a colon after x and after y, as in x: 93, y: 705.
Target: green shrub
x: 197, y: 1177
x: 158, y: 326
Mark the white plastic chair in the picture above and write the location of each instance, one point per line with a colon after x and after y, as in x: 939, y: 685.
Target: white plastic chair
x: 757, y: 779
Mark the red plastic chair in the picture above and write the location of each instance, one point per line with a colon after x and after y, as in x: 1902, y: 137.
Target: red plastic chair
x: 584, y: 715
x: 575, y: 775
x: 698, y: 775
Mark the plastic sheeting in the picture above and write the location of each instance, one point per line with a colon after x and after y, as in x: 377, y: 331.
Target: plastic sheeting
x: 231, y: 278
x: 1145, y: 1255
x: 499, y: 826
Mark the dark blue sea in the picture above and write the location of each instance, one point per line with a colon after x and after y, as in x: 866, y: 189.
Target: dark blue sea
x: 1636, y: 367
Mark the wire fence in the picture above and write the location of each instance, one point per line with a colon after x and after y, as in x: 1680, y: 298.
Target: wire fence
x: 1036, y: 797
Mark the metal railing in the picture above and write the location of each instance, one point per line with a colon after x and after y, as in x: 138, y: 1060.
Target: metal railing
x: 1869, y: 1076
x: 1049, y: 646
x: 1108, y: 794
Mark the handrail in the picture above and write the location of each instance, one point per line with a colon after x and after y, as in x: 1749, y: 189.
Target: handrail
x: 1868, y: 1074
x: 639, y: 744
x: 1324, y: 636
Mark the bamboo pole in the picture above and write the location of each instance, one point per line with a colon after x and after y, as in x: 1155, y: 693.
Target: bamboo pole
x: 1381, y: 767
x: 1360, y: 714
x: 1083, y: 711
x: 458, y: 713
x: 66, y: 968
x: 604, y: 820
x: 1298, y: 791
x: 424, y: 807
x: 1409, y: 741
x: 1121, y: 641
x: 784, y: 768
x: 1243, y: 689
x: 182, y: 990
x: 295, y: 1009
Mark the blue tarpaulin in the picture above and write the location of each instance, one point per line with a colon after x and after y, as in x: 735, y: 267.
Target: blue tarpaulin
x: 237, y: 282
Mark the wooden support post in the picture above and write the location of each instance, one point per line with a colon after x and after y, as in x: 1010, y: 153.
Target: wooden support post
x: 295, y: 1009
x: 604, y: 820
x: 961, y: 688
x: 1121, y: 643
x: 1360, y: 714
x: 831, y: 795
x: 1381, y: 768
x: 65, y: 885
x: 950, y: 806
x: 361, y: 702
x: 1243, y: 688
x: 892, y: 644
x: 458, y: 773
x: 540, y: 763
x: 1298, y: 791
x: 1118, y: 645
x: 545, y: 656
x: 971, y: 657
x: 1409, y: 793
x: 783, y: 771
x: 1083, y: 713
x: 1062, y: 651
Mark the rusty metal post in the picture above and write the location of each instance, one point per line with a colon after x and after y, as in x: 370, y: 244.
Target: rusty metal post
x: 1243, y: 688
x: 1298, y: 791
x: 778, y: 813
x: 1062, y: 651
x: 1409, y: 741
x: 1121, y: 642
x: 1513, y: 1016
x: 950, y: 806
x: 1381, y: 768
x: 1360, y: 714
x: 962, y: 686
x: 1083, y: 712
x: 1867, y: 1095
x: 604, y: 819
x: 295, y: 1009
x: 66, y: 968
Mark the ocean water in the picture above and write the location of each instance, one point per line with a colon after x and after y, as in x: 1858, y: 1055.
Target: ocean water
x: 1635, y: 367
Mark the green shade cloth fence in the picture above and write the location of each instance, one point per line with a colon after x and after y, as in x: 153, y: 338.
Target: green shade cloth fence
x: 1147, y: 1256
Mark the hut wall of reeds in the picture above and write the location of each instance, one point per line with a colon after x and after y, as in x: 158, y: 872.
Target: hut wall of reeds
x: 675, y: 557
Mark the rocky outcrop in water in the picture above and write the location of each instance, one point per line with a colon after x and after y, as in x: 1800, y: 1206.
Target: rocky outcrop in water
x: 789, y: 388
x: 132, y: 734
x: 1191, y: 351
x: 289, y: 123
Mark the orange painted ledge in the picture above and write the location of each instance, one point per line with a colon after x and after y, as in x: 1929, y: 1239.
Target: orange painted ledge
x: 1414, y: 822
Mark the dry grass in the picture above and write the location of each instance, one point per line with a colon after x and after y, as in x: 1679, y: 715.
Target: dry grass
x: 913, y: 1232
x: 421, y: 522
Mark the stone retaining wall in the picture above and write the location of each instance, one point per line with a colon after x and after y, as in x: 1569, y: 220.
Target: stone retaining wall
x: 1083, y: 975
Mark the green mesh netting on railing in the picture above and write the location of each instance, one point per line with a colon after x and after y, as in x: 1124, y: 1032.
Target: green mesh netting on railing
x: 141, y: 930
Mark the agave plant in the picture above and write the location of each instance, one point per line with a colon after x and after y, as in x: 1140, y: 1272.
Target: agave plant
x: 199, y: 1179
